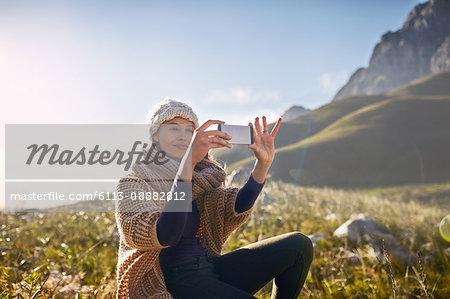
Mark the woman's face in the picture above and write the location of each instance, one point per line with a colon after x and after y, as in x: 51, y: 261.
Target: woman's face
x: 174, y: 137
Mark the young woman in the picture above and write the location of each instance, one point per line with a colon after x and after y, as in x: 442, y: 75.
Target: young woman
x: 165, y: 254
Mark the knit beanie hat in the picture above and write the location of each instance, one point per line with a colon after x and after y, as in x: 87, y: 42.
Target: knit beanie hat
x: 169, y: 109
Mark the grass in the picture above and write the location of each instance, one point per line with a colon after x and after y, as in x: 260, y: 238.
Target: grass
x: 61, y: 255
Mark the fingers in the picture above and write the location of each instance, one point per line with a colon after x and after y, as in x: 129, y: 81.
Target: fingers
x: 258, y: 126
x: 264, y: 128
x: 252, y: 146
x: 211, y: 139
x: 254, y: 131
x: 264, y: 124
x: 214, y: 133
x: 218, y: 142
x: 216, y: 145
x: 208, y: 123
x: 276, y: 127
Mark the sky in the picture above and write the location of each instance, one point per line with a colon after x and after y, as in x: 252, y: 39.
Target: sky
x: 111, y: 61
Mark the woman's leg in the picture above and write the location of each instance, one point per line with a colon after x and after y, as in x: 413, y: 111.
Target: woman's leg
x: 196, y: 278
x: 285, y: 258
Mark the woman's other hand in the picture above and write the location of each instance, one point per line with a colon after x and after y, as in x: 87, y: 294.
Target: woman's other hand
x: 263, y: 146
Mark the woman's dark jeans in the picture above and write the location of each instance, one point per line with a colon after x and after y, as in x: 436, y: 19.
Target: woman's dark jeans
x: 243, y: 272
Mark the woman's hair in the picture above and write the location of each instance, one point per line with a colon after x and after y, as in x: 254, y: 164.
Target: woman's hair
x: 212, y: 159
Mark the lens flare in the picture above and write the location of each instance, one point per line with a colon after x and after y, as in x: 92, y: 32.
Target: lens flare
x: 444, y: 228
x: 295, y: 173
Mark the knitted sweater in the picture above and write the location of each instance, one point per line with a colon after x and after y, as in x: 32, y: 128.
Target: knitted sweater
x: 183, y: 226
x: 139, y: 273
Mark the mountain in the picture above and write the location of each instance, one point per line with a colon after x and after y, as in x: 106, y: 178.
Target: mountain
x: 421, y: 47
x: 300, y: 128
x: 394, y: 138
x: 294, y: 112
x: 440, y: 61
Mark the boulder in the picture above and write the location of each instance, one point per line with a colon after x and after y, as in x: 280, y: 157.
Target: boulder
x: 360, y: 229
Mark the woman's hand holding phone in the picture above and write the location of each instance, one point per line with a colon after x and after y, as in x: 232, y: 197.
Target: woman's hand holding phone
x: 203, y: 141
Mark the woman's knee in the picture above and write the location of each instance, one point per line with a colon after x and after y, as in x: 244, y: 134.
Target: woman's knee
x: 302, y: 244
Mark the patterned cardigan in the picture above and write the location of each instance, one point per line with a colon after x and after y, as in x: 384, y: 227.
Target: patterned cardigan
x: 139, y: 274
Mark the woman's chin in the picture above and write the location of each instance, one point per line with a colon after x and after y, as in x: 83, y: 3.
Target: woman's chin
x: 176, y: 156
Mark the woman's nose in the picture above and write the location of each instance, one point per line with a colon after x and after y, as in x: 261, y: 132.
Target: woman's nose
x: 185, y: 136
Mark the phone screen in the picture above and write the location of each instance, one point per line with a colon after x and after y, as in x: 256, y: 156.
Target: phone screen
x: 239, y: 134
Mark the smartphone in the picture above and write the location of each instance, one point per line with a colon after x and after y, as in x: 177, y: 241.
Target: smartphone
x: 239, y: 134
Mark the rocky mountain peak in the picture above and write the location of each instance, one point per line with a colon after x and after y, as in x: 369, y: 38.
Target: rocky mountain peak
x: 418, y: 49
x: 294, y: 112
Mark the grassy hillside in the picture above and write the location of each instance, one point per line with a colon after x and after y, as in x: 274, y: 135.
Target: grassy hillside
x: 74, y: 255
x: 403, y: 138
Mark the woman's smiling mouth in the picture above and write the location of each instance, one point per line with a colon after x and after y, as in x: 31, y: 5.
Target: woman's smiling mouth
x: 181, y: 146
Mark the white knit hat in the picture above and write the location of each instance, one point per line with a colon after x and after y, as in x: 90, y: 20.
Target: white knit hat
x: 168, y: 109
